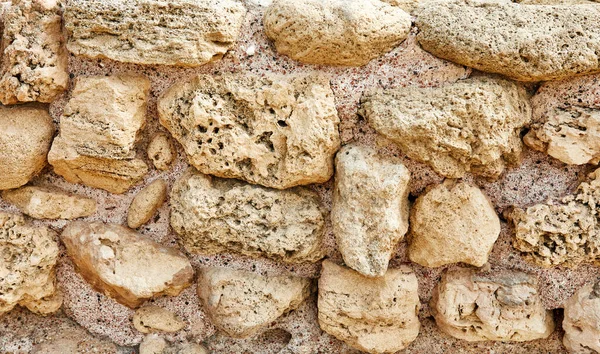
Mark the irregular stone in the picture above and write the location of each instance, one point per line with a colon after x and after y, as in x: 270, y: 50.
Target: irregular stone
x: 161, y: 151
x: 526, y: 43
x: 450, y: 223
x: 368, y: 229
x: 154, y: 318
x: 473, y: 125
x: 153, y: 344
x: 98, y: 132
x: 375, y: 315
x: 34, y: 61
x: 29, y: 255
x: 124, y: 265
x: 177, y: 32
x: 213, y: 215
x: 335, y: 32
x: 581, y: 325
x: 192, y: 348
x: 46, y: 305
x: 275, y: 130
x: 240, y: 303
x: 49, y: 203
x: 146, y: 202
x: 27, y: 133
x: 406, y: 5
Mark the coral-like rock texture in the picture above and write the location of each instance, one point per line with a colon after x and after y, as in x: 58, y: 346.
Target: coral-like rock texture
x: 152, y: 318
x: 582, y: 320
x: 335, y: 32
x: 177, y: 32
x: 49, y: 203
x: 161, y: 151
x: 146, y: 202
x: 276, y: 130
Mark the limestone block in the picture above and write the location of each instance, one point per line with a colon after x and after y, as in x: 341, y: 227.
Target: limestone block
x: 49, y: 203
x: 146, y: 202
x: 153, y: 318
x: 161, y: 151
x: 582, y: 320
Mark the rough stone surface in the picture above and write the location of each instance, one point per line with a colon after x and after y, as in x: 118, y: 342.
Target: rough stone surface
x: 49, y: 203
x: 153, y: 344
x: 34, y: 62
x: 335, y: 32
x: 213, y: 215
x: 526, y: 43
x: 375, y: 315
x: 161, y: 151
x: 406, y: 5
x: 146, y: 202
x: 124, y: 265
x: 469, y: 126
x: 241, y: 302
x: 582, y: 320
x: 153, y: 318
x: 27, y: 133
x: 503, y: 306
x: 98, y: 132
x: 452, y: 222
x: 277, y: 130
x: 369, y: 212
x: 178, y: 32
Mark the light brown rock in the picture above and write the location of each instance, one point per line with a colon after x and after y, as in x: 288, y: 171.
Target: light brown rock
x: 153, y: 344
x: 406, y: 5
x: 450, y: 223
x: 26, y: 135
x: 153, y: 318
x: 213, y: 215
x: 146, y: 202
x: 369, y: 213
x: 49, y: 203
x: 161, y: 151
x: 124, y: 265
x: 240, y: 303
x: 276, y: 130
x: 335, y: 32
x: 375, y: 315
x: 503, y: 306
x: 34, y: 62
x: 177, y: 32
x: 472, y: 125
x: 523, y: 42
x: 192, y: 348
x: 582, y: 320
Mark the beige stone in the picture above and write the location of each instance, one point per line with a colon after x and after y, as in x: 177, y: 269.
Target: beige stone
x: 369, y: 213
x: 177, y: 32
x: 192, y: 348
x: 34, y: 62
x: 581, y: 320
x: 472, y: 125
x: 152, y: 318
x: 49, y: 203
x: 450, y: 223
x: 98, y: 132
x: 526, y: 43
x: 124, y: 265
x: 26, y: 135
x: 501, y: 306
x: 153, y: 344
x: 64, y: 337
x: 213, y: 215
x: 335, y: 32
x: 375, y: 315
x: 146, y: 202
x: 406, y: 5
x: 276, y: 130
x: 240, y: 303
x: 161, y: 151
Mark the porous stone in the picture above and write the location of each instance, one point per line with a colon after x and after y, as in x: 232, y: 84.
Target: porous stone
x: 153, y: 318
x: 335, y: 32
x: 450, y: 223
x: 526, y: 43
x: 213, y: 215
x: 34, y: 61
x: 161, y: 151
x: 124, y: 265
x: 192, y: 348
x: 581, y: 320
x: 153, y: 344
x: 27, y: 133
x: 177, y: 32
x: 375, y: 315
x: 369, y: 213
x: 503, y: 306
x: 276, y: 130
x: 240, y: 302
x: 49, y: 203
x: 146, y: 202
x: 98, y: 132
x: 406, y: 5
x: 472, y: 125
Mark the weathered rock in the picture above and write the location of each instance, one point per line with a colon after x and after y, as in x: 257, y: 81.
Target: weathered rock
x: 124, y: 265
x: 34, y: 62
x: 49, y: 203
x: 213, y: 215
x: 375, y: 315
x: 275, y: 130
x: 98, y: 132
x: 177, y: 32
x: 369, y: 212
x: 153, y: 344
x: 192, y: 348
x: 472, y: 126
x: 27, y: 276
x: 526, y: 43
x: 161, y: 151
x: 335, y: 32
x: 504, y: 306
x: 27, y: 133
x: 146, y: 202
x: 241, y: 302
x: 152, y: 318
x: 450, y: 223
x: 406, y: 5
x: 581, y: 324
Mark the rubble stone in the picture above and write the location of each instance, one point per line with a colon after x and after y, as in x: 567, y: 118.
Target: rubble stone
x: 49, y: 203
x: 581, y: 324
x: 146, y: 202
x: 161, y: 151
x: 153, y: 318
